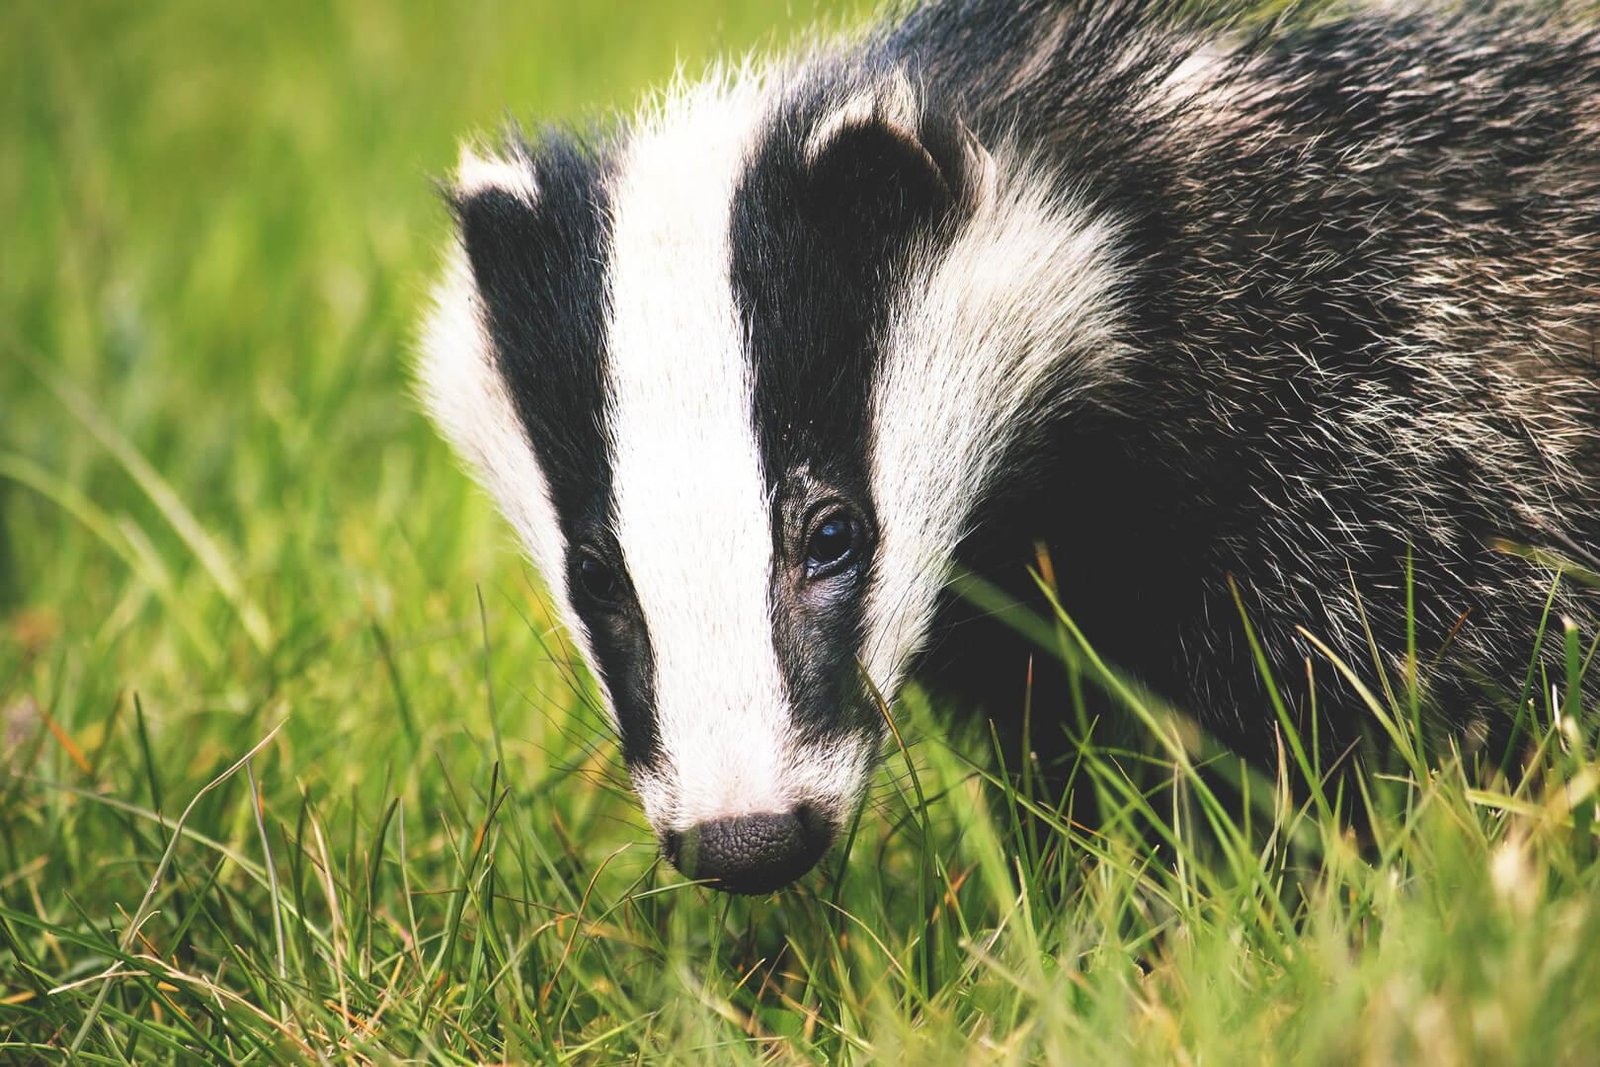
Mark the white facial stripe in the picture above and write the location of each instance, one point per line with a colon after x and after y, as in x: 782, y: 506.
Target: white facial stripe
x: 691, y: 503
x: 829, y: 778
x: 1022, y: 301
x: 463, y: 392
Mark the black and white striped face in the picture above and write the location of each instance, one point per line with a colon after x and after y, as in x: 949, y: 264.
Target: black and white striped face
x: 738, y: 380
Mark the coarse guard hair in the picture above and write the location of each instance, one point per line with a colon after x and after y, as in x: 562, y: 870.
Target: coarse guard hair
x: 1298, y: 315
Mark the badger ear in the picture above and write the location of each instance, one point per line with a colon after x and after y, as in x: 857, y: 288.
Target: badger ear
x: 494, y: 196
x: 882, y: 160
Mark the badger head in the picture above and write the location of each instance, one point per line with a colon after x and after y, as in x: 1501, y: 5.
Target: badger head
x: 739, y: 377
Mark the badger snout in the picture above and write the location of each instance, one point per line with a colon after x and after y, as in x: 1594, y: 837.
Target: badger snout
x: 751, y: 853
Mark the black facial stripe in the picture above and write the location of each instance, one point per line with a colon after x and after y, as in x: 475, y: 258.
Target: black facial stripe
x: 809, y: 316
x: 816, y: 248
x: 809, y: 312
x: 540, y: 271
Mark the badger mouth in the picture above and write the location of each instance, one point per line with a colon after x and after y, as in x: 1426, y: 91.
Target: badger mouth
x: 751, y: 854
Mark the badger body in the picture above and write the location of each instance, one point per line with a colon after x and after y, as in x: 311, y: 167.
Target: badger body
x: 1292, y: 317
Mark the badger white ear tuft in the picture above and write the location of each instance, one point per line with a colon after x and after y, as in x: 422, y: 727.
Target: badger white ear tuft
x: 890, y: 106
x: 479, y: 172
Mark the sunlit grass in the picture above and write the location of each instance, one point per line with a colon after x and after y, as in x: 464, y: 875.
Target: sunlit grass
x: 225, y: 532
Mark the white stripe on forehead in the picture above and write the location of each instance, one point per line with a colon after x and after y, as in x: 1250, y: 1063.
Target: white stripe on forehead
x: 1021, y: 304
x: 690, y: 500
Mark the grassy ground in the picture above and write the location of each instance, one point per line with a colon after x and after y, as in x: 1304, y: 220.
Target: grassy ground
x: 287, y: 772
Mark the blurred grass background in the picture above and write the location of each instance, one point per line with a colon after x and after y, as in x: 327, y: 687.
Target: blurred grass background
x: 221, y: 515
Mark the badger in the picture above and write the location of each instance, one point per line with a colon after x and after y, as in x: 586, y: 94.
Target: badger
x: 1285, y: 322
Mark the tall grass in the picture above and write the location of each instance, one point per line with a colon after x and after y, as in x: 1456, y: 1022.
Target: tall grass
x: 294, y: 765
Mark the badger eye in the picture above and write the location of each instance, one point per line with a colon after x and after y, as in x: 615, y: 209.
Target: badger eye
x: 598, y: 581
x: 833, y: 545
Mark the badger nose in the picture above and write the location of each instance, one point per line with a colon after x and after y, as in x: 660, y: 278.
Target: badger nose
x: 751, y: 853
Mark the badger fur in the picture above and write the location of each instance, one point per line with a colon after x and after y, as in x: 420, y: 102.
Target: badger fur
x: 1305, y: 309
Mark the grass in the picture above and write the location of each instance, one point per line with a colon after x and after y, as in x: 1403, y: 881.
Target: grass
x: 292, y: 766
